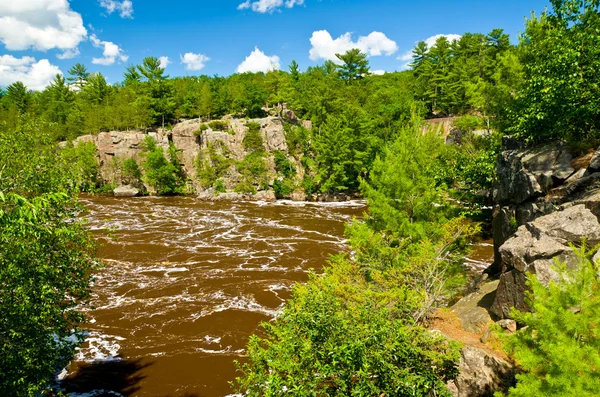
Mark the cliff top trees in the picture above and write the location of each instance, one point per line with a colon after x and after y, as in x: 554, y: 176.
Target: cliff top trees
x: 354, y: 65
x: 561, y: 59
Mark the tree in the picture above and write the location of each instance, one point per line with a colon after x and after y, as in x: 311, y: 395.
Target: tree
x: 561, y: 59
x: 46, y: 262
x: 354, y: 65
x: 78, y: 75
x: 18, y: 96
x: 559, y: 346
x: 294, y: 71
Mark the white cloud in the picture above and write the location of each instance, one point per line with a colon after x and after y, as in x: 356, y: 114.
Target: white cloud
x: 35, y: 75
x: 407, y: 57
x: 264, y: 6
x: 164, y: 62
x: 194, y: 61
x: 125, y: 7
x: 40, y: 24
x: 69, y: 54
x: 325, y: 47
x: 111, y: 52
x: 378, y: 72
x: 257, y: 61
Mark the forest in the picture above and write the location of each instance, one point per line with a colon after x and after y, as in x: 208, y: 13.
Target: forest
x: 360, y: 328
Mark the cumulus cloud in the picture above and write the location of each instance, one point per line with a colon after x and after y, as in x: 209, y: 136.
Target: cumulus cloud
x: 125, y: 7
x: 35, y: 75
x: 41, y: 25
x: 264, y: 6
x: 194, y: 61
x: 325, y: 47
x: 378, y: 72
x: 110, y: 53
x: 407, y: 58
x: 257, y: 61
x: 164, y: 62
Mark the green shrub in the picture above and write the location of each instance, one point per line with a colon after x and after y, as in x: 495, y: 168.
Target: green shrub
x: 245, y: 186
x: 220, y: 186
x: 338, y: 337
x: 284, y: 166
x: 297, y: 139
x: 212, y: 163
x: 164, y: 175
x: 559, y: 346
x: 467, y: 123
x: 83, y: 165
x: 218, y: 125
x: 253, y: 140
x: 203, y: 127
x: 130, y: 172
x: 283, y: 188
x: 254, y: 170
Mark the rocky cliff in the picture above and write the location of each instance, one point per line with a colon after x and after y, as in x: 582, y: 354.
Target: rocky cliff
x: 546, y: 201
x: 187, y: 137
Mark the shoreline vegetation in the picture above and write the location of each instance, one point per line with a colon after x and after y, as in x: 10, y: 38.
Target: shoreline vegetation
x: 361, y: 327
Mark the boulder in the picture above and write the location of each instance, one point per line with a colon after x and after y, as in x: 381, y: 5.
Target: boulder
x: 126, y: 191
x: 481, y: 373
x: 595, y: 161
x: 503, y: 226
x: 535, y: 247
x: 524, y: 174
x: 298, y: 196
x: 471, y: 311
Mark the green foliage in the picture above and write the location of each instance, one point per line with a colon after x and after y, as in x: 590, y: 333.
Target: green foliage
x: 165, y: 176
x: 254, y: 171
x: 83, y: 165
x: 213, y: 164
x: 559, y: 346
x: 297, y: 139
x: 131, y: 173
x: 338, y: 336
x: 218, y: 125
x: 402, y: 190
x: 46, y: 261
x: 561, y: 58
x: 355, y: 65
x: 467, y: 123
x: 283, y: 188
x: 282, y: 165
x: 203, y: 127
x: 253, y: 140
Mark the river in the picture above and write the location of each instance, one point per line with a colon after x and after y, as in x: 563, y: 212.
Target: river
x: 186, y: 283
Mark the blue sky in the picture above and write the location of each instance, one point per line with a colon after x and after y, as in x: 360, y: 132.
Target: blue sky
x: 218, y: 36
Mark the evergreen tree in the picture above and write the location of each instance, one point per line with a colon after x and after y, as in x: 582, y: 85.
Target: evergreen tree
x: 355, y: 65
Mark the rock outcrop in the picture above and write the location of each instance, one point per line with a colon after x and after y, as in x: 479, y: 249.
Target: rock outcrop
x: 545, y: 202
x: 481, y: 374
x: 115, y: 147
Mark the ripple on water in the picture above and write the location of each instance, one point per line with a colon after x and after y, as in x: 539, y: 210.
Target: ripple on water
x: 187, y: 282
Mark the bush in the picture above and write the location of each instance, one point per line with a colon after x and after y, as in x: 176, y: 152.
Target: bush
x: 83, y: 165
x: 203, y: 127
x: 211, y: 164
x: 163, y: 175
x: 131, y: 172
x: 46, y: 261
x: 284, y: 166
x: 283, y: 188
x: 218, y: 125
x: 559, y: 346
x: 467, y: 123
x: 253, y: 140
x: 220, y: 186
x: 254, y: 170
x: 337, y: 337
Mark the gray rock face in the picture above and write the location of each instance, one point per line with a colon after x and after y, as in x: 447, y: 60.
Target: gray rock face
x: 535, y: 247
x: 481, y: 374
x: 525, y: 174
x: 126, y: 191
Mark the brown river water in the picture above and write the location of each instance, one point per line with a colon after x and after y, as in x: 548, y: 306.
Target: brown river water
x: 186, y: 282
